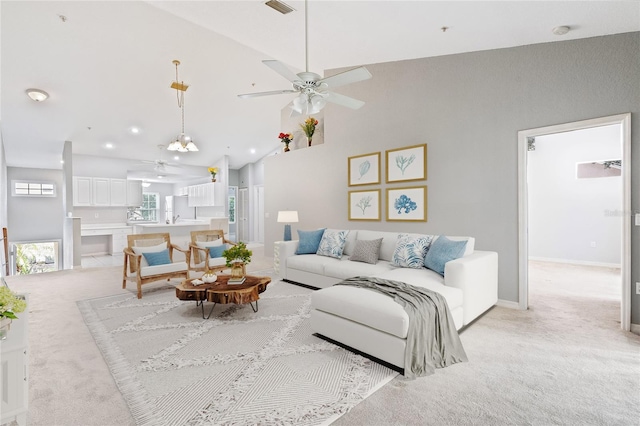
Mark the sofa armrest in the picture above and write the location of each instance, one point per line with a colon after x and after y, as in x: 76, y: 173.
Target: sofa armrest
x: 281, y: 251
x: 477, y: 276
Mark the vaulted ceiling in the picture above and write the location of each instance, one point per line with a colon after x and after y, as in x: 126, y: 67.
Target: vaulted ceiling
x: 107, y: 65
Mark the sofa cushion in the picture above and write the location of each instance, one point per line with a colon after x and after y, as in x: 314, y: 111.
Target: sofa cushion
x: 163, y: 269
x: 309, y: 241
x: 363, y: 306
x: 425, y: 278
x: 441, y: 251
x: 366, y: 251
x: 206, y: 244
x: 309, y: 262
x: 157, y: 258
x: 346, y: 269
x: 332, y: 243
x: 148, y: 249
x: 410, y: 250
x: 350, y: 243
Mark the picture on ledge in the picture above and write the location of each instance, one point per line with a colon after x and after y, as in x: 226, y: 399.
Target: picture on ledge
x: 407, y: 164
x: 364, y: 169
x: 407, y: 204
x: 364, y: 205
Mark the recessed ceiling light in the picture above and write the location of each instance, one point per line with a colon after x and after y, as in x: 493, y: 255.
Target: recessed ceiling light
x: 37, y: 94
x: 561, y: 30
x: 176, y: 157
x: 135, y: 130
x: 253, y: 151
x: 145, y: 184
x: 108, y: 145
x: 159, y: 176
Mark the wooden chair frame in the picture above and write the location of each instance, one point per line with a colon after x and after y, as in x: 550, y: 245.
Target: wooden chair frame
x: 197, y: 252
x: 133, y: 261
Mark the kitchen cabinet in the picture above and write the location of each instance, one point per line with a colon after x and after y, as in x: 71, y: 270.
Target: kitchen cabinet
x: 106, y: 192
x: 14, y: 371
x: 118, y: 192
x: 206, y: 195
x: 82, y: 190
x: 134, y: 193
x: 115, y: 234
x: 101, y: 191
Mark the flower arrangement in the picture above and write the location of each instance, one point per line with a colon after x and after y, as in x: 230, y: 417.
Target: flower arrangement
x: 10, y: 304
x: 286, y: 138
x: 214, y: 172
x: 237, y: 253
x: 309, y: 127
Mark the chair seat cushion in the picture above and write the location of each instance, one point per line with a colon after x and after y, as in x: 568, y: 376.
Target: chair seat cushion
x: 147, y: 271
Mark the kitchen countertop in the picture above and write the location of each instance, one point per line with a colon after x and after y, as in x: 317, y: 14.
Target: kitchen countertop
x: 158, y: 225
x: 104, y: 226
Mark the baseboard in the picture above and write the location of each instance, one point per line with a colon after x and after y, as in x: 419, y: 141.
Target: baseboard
x: 575, y: 262
x: 508, y: 304
x: 635, y: 328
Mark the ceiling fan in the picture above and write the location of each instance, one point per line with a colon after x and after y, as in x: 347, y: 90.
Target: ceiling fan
x: 160, y: 164
x: 313, y: 90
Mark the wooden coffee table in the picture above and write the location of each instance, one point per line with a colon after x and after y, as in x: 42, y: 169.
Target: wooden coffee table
x: 221, y: 292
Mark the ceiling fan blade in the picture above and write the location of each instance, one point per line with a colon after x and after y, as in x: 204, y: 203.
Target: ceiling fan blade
x: 347, y: 77
x: 343, y: 100
x: 273, y: 92
x: 281, y: 69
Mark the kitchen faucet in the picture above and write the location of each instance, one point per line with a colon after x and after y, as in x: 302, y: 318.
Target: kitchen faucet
x: 175, y: 218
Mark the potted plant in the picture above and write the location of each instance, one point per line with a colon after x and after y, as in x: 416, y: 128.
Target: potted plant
x: 10, y: 305
x: 237, y: 257
x: 214, y: 172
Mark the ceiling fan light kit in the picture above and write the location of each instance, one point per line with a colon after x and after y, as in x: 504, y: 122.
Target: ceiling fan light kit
x: 313, y: 90
x: 182, y: 143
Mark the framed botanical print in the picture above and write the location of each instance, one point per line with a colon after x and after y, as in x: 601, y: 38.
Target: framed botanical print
x: 364, y: 169
x: 407, y: 164
x: 407, y: 204
x: 364, y: 205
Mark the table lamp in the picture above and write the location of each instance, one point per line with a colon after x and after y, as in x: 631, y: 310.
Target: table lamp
x: 287, y: 217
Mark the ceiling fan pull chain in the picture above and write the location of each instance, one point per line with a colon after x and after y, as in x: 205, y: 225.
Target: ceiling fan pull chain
x: 306, y: 37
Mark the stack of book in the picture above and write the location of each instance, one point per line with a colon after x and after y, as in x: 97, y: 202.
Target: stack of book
x: 236, y: 281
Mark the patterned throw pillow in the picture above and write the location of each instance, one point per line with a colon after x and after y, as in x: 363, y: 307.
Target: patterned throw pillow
x: 441, y: 251
x: 366, y: 251
x: 410, y: 250
x: 332, y: 243
x: 309, y: 241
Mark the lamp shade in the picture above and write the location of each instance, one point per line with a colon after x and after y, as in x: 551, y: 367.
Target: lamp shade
x: 288, y: 216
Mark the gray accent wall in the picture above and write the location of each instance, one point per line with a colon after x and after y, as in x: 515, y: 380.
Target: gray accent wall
x: 468, y: 108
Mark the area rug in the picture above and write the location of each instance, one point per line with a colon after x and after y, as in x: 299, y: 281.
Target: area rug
x: 236, y: 368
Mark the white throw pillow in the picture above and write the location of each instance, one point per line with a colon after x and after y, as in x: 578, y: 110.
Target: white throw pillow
x: 207, y: 244
x: 148, y: 249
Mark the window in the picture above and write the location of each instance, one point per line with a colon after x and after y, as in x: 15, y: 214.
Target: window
x: 149, y: 209
x: 33, y: 189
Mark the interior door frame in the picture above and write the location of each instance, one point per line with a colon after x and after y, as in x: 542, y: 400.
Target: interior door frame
x: 624, y: 120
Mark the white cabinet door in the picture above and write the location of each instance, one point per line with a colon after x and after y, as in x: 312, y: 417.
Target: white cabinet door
x: 82, y: 189
x: 134, y: 193
x: 192, y: 192
x: 101, y: 191
x: 118, y: 192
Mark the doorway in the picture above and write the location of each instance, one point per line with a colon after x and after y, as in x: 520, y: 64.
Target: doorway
x: 525, y: 138
x: 258, y: 214
x: 243, y: 215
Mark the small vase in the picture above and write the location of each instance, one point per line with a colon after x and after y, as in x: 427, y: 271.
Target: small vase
x: 237, y: 270
x: 209, y: 277
x: 309, y: 141
x: 286, y: 148
x: 213, y: 179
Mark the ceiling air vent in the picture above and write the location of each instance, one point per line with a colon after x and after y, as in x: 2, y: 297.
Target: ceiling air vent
x: 279, y: 6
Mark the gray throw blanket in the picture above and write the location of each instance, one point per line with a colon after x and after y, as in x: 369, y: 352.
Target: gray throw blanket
x: 432, y: 340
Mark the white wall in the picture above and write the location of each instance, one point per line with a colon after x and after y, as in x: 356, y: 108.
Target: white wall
x: 468, y: 108
x: 567, y: 214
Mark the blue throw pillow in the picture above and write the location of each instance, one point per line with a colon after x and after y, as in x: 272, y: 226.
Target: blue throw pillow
x: 157, y: 258
x: 216, y: 251
x: 441, y: 251
x: 309, y: 241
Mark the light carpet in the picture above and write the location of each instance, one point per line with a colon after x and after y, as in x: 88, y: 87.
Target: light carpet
x: 238, y: 367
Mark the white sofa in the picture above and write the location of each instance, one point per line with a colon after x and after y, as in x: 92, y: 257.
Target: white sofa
x: 370, y: 322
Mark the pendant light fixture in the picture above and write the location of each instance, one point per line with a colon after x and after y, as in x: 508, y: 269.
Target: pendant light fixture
x: 182, y: 143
